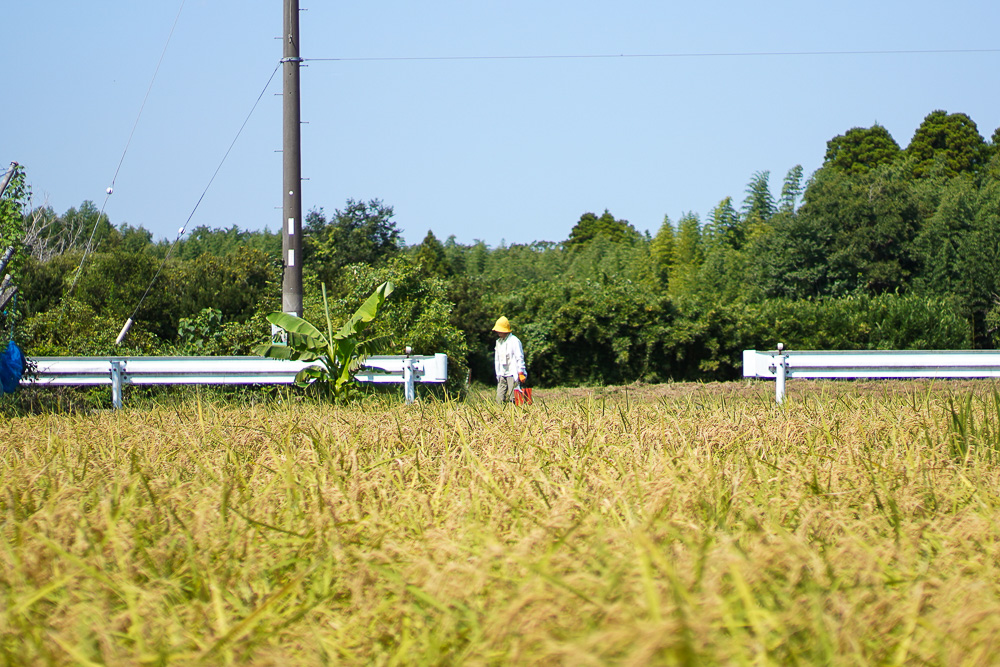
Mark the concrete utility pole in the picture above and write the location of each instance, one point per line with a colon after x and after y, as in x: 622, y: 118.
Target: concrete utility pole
x: 291, y: 224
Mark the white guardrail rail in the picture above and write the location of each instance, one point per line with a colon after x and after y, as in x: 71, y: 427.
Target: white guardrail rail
x: 781, y: 364
x: 120, y: 371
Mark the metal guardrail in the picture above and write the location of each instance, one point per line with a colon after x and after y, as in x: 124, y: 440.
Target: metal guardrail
x: 121, y: 371
x: 780, y: 364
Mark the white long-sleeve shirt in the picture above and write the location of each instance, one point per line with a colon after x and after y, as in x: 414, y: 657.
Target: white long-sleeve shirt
x: 508, y: 358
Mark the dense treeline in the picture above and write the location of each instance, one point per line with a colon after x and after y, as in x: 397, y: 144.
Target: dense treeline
x: 882, y: 247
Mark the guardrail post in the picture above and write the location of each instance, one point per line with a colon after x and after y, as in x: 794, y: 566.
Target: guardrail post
x: 780, y: 370
x: 779, y: 385
x: 116, y: 383
x: 408, y: 389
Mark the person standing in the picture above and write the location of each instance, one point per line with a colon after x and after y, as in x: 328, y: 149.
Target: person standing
x: 508, y: 361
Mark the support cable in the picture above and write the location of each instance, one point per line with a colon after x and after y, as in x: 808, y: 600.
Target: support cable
x: 180, y: 232
x: 90, y: 241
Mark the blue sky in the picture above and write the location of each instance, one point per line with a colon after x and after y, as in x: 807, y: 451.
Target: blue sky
x: 503, y: 150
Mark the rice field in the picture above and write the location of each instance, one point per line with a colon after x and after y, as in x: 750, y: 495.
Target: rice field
x: 676, y: 524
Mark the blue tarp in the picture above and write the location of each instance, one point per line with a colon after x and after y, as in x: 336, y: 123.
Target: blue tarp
x: 12, y: 367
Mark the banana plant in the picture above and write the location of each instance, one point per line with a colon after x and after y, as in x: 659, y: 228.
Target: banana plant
x: 339, y: 354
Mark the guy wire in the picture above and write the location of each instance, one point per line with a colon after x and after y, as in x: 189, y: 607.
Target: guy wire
x: 181, y: 231
x: 90, y: 241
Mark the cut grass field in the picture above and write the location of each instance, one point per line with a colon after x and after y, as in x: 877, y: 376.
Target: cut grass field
x: 679, y: 524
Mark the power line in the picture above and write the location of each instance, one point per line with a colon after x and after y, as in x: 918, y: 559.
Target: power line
x: 707, y: 54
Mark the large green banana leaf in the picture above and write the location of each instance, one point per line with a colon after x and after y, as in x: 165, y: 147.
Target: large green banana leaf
x: 308, y: 337
x: 366, y: 313
x: 281, y: 351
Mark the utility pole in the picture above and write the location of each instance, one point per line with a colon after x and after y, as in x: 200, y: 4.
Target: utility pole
x: 291, y: 224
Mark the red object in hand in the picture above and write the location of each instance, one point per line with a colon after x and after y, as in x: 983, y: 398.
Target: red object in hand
x: 522, y: 396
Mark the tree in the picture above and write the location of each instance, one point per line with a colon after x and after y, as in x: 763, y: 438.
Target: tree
x: 959, y: 248
x: 759, y: 206
x: 946, y: 145
x: 871, y: 220
x: 87, y: 225
x: 134, y: 239
x: 590, y: 227
x: 861, y: 149
x: 791, y: 190
x: 791, y: 259
x: 688, y: 255
x: 363, y: 232
x: 661, y: 252
x: 75, y: 328
x: 11, y: 203
x: 225, y: 242
x: 725, y: 226
x: 431, y: 257
x: 237, y: 285
x: 455, y: 255
x: 15, y: 194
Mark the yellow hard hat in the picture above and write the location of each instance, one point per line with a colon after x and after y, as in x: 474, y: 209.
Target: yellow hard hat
x: 502, y: 325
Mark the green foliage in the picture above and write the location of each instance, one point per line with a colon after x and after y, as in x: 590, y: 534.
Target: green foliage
x: 860, y: 150
x: 591, y: 227
x: 363, y: 232
x: 871, y: 221
x: 431, y: 257
x: 592, y: 332
x: 239, y: 285
x: 959, y: 249
x: 723, y: 274
x: 12, y: 235
x: 227, y: 242
x: 883, y: 322
x: 85, y: 225
x: 759, y: 206
x: 992, y: 320
x: 341, y: 354
x: 472, y: 316
x: 75, y: 328
x: 946, y: 145
x: 725, y: 227
x: 688, y: 255
x: 790, y: 259
x: 887, y: 249
x: 791, y: 190
x: 418, y: 316
x: 112, y: 283
x: 11, y: 212
x: 661, y: 252
x: 208, y: 334
x: 198, y: 335
x: 41, y: 283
